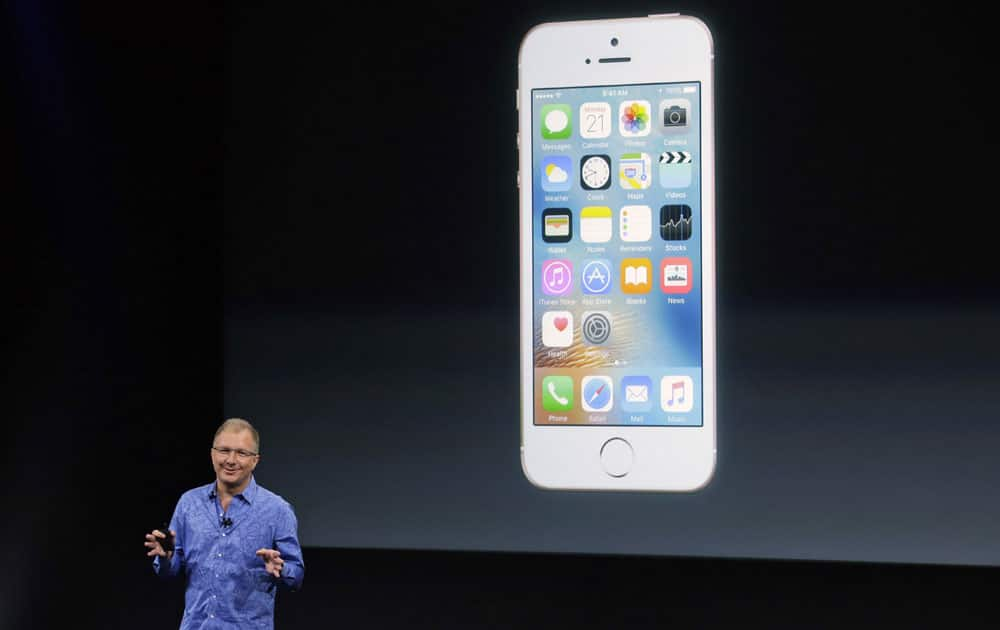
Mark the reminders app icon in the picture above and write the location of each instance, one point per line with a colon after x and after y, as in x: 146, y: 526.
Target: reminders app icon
x: 637, y: 394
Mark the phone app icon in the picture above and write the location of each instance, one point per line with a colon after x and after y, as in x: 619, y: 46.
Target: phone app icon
x: 598, y: 393
x: 633, y: 119
x: 676, y: 275
x: 675, y: 169
x: 595, y: 120
x: 557, y: 329
x: 595, y: 224
x: 557, y: 121
x: 637, y: 394
x: 557, y: 276
x: 557, y: 225
x: 674, y: 115
x: 635, y: 171
x: 555, y: 173
x: 595, y: 172
x: 596, y: 277
x: 675, y: 222
x: 676, y: 394
x: 635, y: 224
x: 557, y: 393
x: 637, y: 274
x: 596, y: 327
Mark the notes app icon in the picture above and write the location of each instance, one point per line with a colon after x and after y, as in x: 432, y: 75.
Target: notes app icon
x: 595, y: 224
x: 636, y: 275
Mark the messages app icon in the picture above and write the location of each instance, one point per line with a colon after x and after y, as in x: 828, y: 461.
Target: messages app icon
x: 637, y: 394
x: 557, y: 121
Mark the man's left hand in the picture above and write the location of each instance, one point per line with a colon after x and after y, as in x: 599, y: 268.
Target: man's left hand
x: 273, y: 561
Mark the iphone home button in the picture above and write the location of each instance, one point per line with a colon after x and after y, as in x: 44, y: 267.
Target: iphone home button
x: 616, y: 457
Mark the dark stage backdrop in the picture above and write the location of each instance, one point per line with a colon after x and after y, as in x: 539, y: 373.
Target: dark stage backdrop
x: 370, y: 273
x: 190, y: 185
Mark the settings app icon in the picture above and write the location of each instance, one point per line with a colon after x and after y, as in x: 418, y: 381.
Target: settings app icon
x: 596, y: 327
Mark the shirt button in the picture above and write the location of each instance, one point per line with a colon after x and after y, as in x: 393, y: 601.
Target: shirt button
x: 220, y: 555
x: 212, y: 616
x: 223, y: 534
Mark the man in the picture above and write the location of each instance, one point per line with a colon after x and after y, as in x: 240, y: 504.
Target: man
x: 235, y: 542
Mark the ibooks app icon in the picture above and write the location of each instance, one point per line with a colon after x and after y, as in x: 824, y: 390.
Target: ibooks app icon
x: 636, y: 275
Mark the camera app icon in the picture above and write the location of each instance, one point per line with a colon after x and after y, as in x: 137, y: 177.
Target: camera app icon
x: 675, y: 114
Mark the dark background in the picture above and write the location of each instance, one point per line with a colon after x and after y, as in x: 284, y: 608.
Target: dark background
x: 152, y: 194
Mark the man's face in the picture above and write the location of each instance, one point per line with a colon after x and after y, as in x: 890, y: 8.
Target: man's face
x: 233, y: 468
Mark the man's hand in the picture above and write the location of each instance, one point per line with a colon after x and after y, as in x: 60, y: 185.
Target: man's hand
x: 273, y: 561
x: 155, y: 547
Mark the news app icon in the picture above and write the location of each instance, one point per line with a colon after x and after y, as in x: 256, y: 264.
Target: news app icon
x: 675, y: 275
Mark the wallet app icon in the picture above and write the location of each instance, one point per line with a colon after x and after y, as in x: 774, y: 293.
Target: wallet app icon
x: 637, y: 394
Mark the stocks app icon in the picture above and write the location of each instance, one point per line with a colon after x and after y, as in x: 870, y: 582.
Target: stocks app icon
x: 675, y: 222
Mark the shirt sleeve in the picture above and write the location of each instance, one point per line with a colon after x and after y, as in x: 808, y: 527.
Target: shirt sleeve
x: 287, y: 542
x: 169, y: 568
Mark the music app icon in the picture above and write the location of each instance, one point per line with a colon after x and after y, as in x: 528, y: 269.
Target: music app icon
x: 557, y: 277
x: 676, y: 394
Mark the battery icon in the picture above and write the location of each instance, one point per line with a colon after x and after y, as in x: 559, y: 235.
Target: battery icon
x: 689, y: 89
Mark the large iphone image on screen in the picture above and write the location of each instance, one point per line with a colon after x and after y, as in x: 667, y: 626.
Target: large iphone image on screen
x: 617, y: 287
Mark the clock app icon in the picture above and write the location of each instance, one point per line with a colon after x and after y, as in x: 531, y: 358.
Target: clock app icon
x: 595, y: 172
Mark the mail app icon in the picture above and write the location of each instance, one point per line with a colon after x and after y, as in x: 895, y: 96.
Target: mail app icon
x: 637, y: 394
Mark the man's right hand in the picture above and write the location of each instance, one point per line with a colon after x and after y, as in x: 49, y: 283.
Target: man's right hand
x: 155, y: 547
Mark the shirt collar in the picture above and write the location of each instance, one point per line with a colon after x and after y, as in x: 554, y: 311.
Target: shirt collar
x: 249, y: 494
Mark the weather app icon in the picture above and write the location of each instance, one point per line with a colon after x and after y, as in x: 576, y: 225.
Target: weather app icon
x: 596, y: 277
x: 555, y: 173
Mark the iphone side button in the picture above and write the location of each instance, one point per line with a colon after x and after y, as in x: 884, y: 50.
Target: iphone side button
x: 616, y: 457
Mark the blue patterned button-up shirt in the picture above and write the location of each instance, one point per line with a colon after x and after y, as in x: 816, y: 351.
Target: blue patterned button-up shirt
x: 227, y: 586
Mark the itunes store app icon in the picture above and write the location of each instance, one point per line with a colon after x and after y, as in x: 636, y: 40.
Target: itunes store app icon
x: 557, y: 277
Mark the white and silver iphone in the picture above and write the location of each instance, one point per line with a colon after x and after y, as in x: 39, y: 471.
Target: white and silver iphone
x: 617, y: 255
